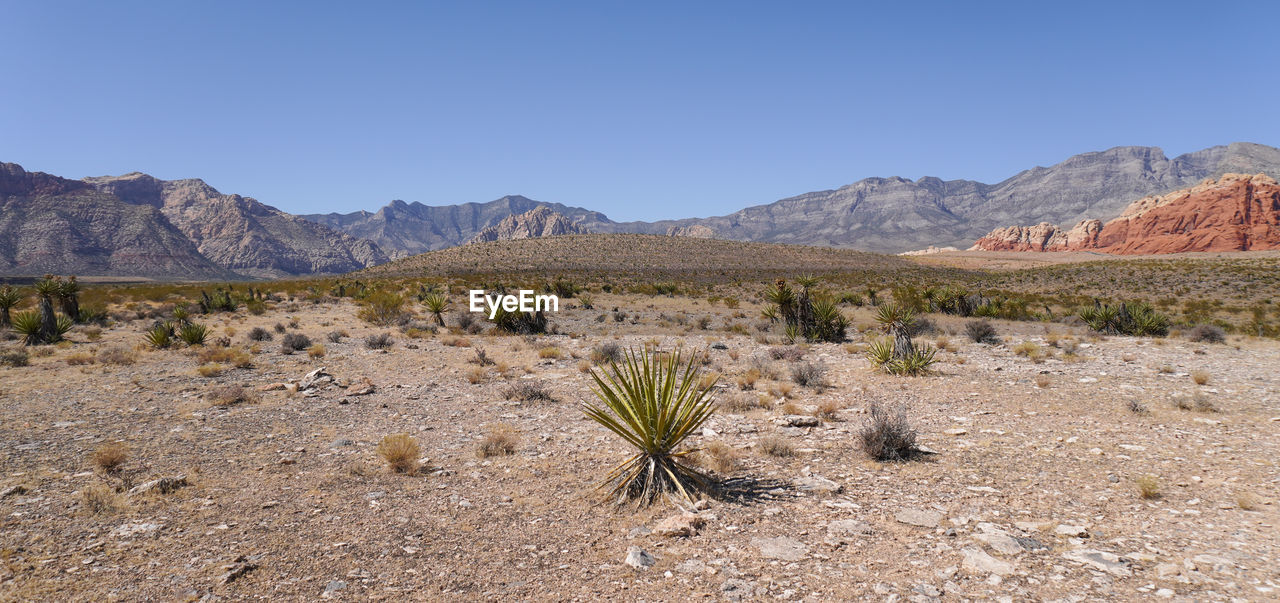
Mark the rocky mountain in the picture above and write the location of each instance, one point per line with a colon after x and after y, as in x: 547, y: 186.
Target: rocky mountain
x: 897, y: 214
x: 409, y: 228
x: 55, y: 225
x: 242, y: 234
x: 1237, y: 212
x: 538, y: 222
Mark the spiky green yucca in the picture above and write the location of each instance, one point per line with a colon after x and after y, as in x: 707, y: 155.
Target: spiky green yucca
x: 193, y: 333
x: 27, y: 324
x: 160, y: 336
x: 436, y: 305
x: 653, y: 403
x: 9, y: 297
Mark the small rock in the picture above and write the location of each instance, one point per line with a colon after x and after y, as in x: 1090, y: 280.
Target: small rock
x: 919, y: 517
x: 639, y: 558
x: 341, y: 442
x: 959, y: 431
x: 1108, y: 562
x: 1001, y: 542
x: 680, y: 526
x: 786, y: 549
x: 362, y: 387
x: 1070, y: 530
x: 1168, y: 570
x: 315, y: 380
x: 13, y: 491
x: 162, y: 485
x: 978, y: 561
x: 850, y: 527
x: 736, y: 589
x: 797, y: 421
x: 927, y: 590
x: 238, y: 567
x: 818, y: 484
x: 719, y: 346
x: 332, y: 587
x: 1206, y: 563
x: 1165, y: 593
x: 638, y: 531
x: 692, y: 566
x: 271, y: 387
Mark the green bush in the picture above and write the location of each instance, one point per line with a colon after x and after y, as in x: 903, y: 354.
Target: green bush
x: 1138, y: 319
x: 193, y: 333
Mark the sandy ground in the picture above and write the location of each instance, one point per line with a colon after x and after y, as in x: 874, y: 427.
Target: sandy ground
x: 1031, y: 494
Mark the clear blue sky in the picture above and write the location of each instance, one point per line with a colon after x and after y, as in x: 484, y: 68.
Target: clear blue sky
x: 642, y: 110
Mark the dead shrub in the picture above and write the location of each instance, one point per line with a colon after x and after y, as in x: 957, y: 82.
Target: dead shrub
x: 230, y: 395
x: 109, y: 457
x: 98, y: 499
x: 400, y: 451
x: 887, y: 435
x: 775, y: 446
x: 502, y: 440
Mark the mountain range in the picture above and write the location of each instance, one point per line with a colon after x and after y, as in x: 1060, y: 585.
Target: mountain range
x: 139, y: 226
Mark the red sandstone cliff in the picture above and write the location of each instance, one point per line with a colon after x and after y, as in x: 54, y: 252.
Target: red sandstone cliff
x: 1237, y: 212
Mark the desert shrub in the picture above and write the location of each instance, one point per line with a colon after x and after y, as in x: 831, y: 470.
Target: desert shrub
x: 815, y: 318
x: 787, y: 353
x: 259, y: 334
x: 1200, y: 377
x: 775, y: 446
x: 809, y: 374
x: 400, y: 451
x: 211, y: 369
x: 256, y: 307
x: 109, y: 457
x: 230, y: 395
x: 520, y: 323
x: 280, y: 328
x: 193, y: 333
x: 720, y: 457
x: 9, y: 297
x: 1043, y: 381
x: 382, y: 308
x: 1148, y: 486
x: 654, y: 404
x: 378, y: 341
x: 1128, y: 318
x: 981, y: 331
x: 481, y: 357
x: 743, y: 402
x: 586, y: 301
x: 1137, y: 407
x: 500, y: 441
x: 316, y: 351
x: 14, y: 357
x: 1206, y: 334
x: 527, y: 391
x: 551, y: 352
x: 80, y: 358
x: 606, y: 352
x: 887, y: 435
x: 98, y: 499
x: 116, y: 355
x: 476, y: 375
x: 335, y: 336
x: 220, y: 301
x: 747, y: 380
x: 294, y: 342
x: 563, y: 288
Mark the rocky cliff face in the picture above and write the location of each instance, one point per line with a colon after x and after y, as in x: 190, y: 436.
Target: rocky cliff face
x: 539, y: 222
x: 51, y: 224
x: 242, y: 234
x: 1237, y: 212
x: 403, y: 229
x: 897, y: 214
x: 696, y: 231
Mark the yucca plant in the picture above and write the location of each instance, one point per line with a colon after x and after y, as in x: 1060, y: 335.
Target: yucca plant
x: 46, y: 289
x: 915, y: 363
x: 436, y: 305
x: 27, y: 324
x: 9, y: 297
x: 69, y: 297
x: 897, y: 320
x: 880, y: 351
x: 160, y: 336
x: 653, y: 403
x: 193, y: 333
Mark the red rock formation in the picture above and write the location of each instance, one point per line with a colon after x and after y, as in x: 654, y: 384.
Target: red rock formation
x: 1237, y: 212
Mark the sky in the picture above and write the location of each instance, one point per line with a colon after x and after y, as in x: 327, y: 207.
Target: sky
x: 641, y: 110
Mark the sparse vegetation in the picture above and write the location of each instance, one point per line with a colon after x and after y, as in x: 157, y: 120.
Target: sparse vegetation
x: 809, y: 374
x: 1148, y: 486
x: 1200, y: 377
x: 527, y: 391
x: 294, y: 342
x: 775, y: 446
x: 110, y: 457
x: 401, y: 452
x: 383, y: 309
x: 981, y: 331
x: 379, y: 341
x: 887, y: 434
x: 502, y: 440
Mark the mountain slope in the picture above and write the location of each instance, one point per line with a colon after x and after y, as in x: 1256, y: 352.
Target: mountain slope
x: 539, y: 222
x: 54, y: 225
x: 242, y: 234
x: 896, y: 214
x: 1238, y: 212
x: 409, y: 228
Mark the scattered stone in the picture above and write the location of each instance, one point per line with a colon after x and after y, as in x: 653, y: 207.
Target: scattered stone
x: 237, y: 568
x: 736, y: 589
x: 919, y: 517
x: 850, y: 527
x: 1165, y: 593
x: 163, y: 485
x: 1070, y: 530
x: 1206, y: 563
x: 1108, y: 562
x: 1030, y: 544
x: 692, y: 566
x: 315, y: 380
x: 1168, y: 570
x: 13, y: 491
x: 1001, y: 542
x: 137, y: 528
x: 332, y: 587
x: 639, y: 558
x: 362, y: 387
x: 958, y: 431
x: 719, y: 346
x: 341, y: 442
x: 797, y: 421
x: 680, y: 526
x: 978, y: 561
x: 638, y: 531
x: 782, y: 547
x: 927, y: 590
x: 818, y: 484
x: 271, y: 387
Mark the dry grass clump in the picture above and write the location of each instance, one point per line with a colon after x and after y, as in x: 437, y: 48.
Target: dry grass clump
x: 378, y: 341
x: 1198, y: 401
x: 1031, y: 350
x: 456, y: 342
x: 747, y: 381
x: 1245, y: 500
x: 1206, y: 334
x: 233, y: 356
x: 79, y: 359
x: 316, y: 351
x: 1148, y: 486
x: 780, y: 390
x: 887, y: 435
x: 527, y: 391
x: 775, y: 446
x: 1136, y: 407
x: 720, y: 457
x: 1200, y: 377
x: 230, y: 395
x: 549, y: 352
x: 336, y: 336
x: 210, y: 370
x: 500, y: 441
x: 1043, y: 381
x: 400, y: 451
x: 981, y: 331
x: 606, y: 352
x: 117, y: 355
x: 98, y: 499
x: 809, y: 374
x: 476, y: 375
x: 14, y: 357
x: 827, y: 410
x: 743, y: 402
x: 109, y: 457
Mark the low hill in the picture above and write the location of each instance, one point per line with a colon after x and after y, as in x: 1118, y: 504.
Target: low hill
x: 638, y: 254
